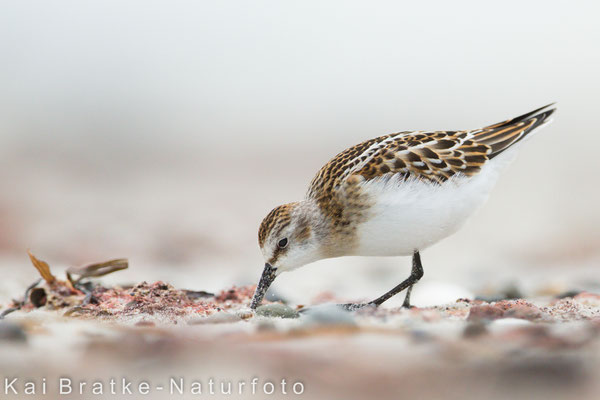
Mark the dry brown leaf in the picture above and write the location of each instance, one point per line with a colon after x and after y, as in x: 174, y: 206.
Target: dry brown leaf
x: 99, y: 269
x: 42, y: 267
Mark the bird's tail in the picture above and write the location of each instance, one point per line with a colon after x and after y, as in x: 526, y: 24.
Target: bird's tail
x: 502, y: 135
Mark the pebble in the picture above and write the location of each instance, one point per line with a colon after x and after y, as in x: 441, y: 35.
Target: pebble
x: 12, y: 332
x: 508, y: 324
x: 145, y: 323
x: 568, y: 294
x: 474, y: 329
x: 276, y: 310
x: 485, y: 313
x: 505, y: 309
x: 510, y: 292
x: 328, y: 314
x: 528, y: 312
x: 217, y: 318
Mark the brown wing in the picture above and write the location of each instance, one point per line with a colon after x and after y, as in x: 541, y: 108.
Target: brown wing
x: 429, y: 156
x: 437, y: 156
x: 504, y: 134
x: 432, y: 156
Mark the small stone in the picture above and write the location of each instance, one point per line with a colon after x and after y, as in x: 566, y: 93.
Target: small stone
x: 512, y: 292
x: 217, y: 318
x: 145, y: 323
x: 522, y: 311
x: 276, y: 310
x: 12, y: 332
x: 485, y: 312
x: 508, y: 324
x: 245, y: 314
x: 568, y: 294
x: 197, y: 294
x: 509, y: 292
x: 328, y: 314
x: 474, y: 329
x: 266, y: 325
x: 587, y: 298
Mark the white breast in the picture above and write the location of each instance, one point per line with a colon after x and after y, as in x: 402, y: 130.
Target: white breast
x: 413, y: 215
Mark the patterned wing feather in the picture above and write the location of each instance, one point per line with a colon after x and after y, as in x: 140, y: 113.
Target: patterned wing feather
x: 430, y: 156
x: 503, y: 135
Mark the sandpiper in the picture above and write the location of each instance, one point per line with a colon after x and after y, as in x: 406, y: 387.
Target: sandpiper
x: 394, y: 195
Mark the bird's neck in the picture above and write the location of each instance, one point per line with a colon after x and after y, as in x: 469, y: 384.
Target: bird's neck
x: 333, y: 240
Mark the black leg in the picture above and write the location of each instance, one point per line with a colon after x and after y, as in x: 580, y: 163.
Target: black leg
x: 415, y: 274
x: 406, y: 302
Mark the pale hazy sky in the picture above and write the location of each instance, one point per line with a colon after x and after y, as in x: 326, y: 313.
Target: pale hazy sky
x: 175, y: 72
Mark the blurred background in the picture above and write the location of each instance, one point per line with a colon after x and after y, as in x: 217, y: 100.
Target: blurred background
x: 164, y: 132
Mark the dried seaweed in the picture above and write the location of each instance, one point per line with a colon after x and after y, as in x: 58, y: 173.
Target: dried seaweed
x: 17, y: 305
x: 60, y: 294
x: 95, y: 270
x: 80, y: 296
x: 42, y: 267
x: 197, y: 294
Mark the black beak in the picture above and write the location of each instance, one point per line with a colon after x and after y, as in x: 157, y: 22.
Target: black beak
x: 268, y: 276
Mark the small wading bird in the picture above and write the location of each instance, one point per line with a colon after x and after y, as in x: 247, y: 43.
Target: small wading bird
x: 394, y: 195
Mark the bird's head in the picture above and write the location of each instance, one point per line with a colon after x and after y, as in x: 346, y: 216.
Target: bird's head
x: 288, y: 238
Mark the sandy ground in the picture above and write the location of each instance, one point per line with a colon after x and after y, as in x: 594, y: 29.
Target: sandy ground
x: 546, y: 348
x: 178, y: 224
x: 154, y: 334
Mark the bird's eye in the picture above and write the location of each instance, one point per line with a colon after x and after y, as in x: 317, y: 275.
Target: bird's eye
x: 282, y: 243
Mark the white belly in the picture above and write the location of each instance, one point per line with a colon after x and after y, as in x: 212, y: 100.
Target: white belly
x: 413, y: 215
